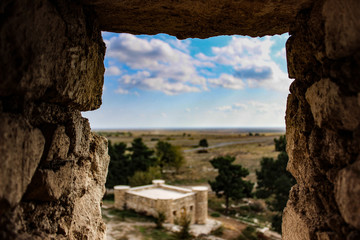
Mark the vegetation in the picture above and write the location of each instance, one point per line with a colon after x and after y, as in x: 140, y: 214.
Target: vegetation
x: 169, y: 156
x: 250, y: 233
x: 274, y: 182
x: 119, y: 169
x: 141, y: 157
x: 203, y: 143
x: 144, y: 177
x: 159, y: 220
x: 229, y: 182
x: 125, y: 163
x: 184, y: 223
x: 218, y: 231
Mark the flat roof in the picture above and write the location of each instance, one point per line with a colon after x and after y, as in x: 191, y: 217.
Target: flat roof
x: 160, y: 193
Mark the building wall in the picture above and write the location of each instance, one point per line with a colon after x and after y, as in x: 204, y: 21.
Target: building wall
x: 193, y: 206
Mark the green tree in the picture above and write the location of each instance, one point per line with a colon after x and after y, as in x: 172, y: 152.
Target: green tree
x: 280, y: 144
x: 169, y: 155
x: 145, y: 177
x: 118, y: 171
x: 141, y: 157
x: 203, y: 143
x: 229, y: 182
x: 274, y: 182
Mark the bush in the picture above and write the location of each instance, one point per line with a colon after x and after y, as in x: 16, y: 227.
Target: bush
x: 218, y: 231
x: 257, y: 206
x: 184, y: 223
x: 215, y: 214
x: 142, y: 178
x: 109, y: 197
x: 160, y: 220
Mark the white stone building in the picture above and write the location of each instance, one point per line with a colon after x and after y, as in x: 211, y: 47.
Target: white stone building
x: 172, y: 201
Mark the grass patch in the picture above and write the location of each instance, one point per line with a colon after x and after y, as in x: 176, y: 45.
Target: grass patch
x: 150, y: 233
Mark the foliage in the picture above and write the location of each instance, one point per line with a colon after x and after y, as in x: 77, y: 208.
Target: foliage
x: 169, y: 155
x: 276, y: 222
x: 280, y: 144
x: 275, y: 182
x: 218, y: 231
x: 215, y: 214
x: 159, y: 220
x: 125, y: 163
x: 119, y: 169
x: 184, y: 223
x: 144, y: 177
x: 203, y: 143
x: 141, y: 157
x: 229, y: 182
x: 250, y: 233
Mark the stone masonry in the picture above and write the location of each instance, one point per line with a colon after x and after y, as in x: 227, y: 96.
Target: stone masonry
x: 173, y: 202
x: 53, y: 169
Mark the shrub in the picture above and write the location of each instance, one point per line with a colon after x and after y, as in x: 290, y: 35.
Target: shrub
x: 218, y: 231
x: 160, y: 220
x: 184, y: 223
x: 215, y: 214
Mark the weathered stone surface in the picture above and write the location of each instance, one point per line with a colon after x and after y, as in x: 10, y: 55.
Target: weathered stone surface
x: 50, y: 185
x: 347, y: 192
x: 51, y: 66
x: 59, y: 146
x: 189, y: 18
x: 293, y: 225
x: 342, y: 27
x: 322, y: 125
x: 59, y: 54
x: 330, y: 108
x: 20, y: 152
x: 90, y: 188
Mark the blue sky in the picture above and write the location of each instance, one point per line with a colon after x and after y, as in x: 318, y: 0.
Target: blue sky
x: 162, y: 82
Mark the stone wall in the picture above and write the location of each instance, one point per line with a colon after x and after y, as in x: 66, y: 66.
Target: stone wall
x: 193, y: 203
x: 52, y: 168
x: 322, y: 122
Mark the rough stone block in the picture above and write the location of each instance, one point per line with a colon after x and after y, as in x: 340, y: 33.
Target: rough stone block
x: 59, y: 147
x: 347, y: 194
x: 293, y: 226
x: 20, y: 153
x: 330, y: 108
x: 58, y: 57
x: 342, y: 27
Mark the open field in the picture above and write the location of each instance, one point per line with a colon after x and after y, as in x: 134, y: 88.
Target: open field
x: 248, y: 150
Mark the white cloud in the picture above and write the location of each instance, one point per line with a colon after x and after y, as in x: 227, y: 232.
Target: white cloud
x: 281, y: 53
x: 112, y: 71
x: 227, y: 81
x: 251, y: 60
x: 254, y: 107
x: 121, y: 91
x: 167, y: 66
x: 157, y: 65
x: 224, y: 108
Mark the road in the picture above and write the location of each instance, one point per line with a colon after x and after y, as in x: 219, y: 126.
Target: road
x: 260, y: 139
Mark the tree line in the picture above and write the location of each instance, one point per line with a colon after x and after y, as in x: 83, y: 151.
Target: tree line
x: 137, y: 165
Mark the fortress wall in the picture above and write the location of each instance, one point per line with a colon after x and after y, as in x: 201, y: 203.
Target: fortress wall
x: 53, y: 169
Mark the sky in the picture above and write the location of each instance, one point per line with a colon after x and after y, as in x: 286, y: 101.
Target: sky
x: 220, y: 82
